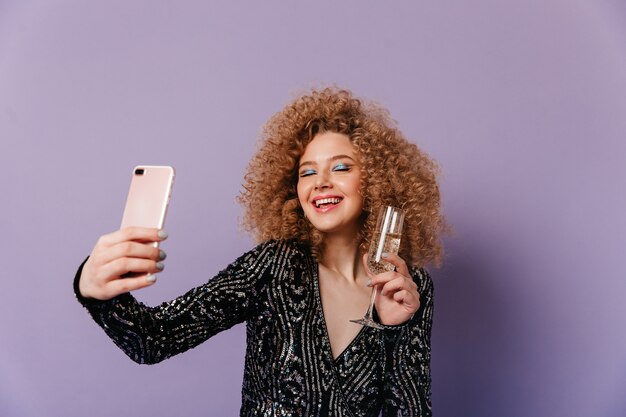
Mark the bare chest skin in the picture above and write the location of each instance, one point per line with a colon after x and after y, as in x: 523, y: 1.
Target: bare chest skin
x: 342, y: 301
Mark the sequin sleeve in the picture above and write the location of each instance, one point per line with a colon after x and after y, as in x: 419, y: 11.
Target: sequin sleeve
x: 152, y: 334
x: 407, y: 379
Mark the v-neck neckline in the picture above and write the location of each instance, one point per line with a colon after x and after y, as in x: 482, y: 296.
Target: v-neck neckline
x: 318, y: 296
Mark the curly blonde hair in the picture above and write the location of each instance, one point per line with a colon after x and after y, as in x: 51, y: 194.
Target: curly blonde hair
x: 393, y: 172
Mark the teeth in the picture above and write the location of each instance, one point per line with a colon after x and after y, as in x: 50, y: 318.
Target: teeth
x: 331, y: 200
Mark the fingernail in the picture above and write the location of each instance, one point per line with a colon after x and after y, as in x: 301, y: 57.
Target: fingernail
x: 385, y: 254
x: 162, y: 234
x: 382, y: 292
x: 369, y: 283
x: 151, y: 278
x: 160, y: 266
x: 162, y: 255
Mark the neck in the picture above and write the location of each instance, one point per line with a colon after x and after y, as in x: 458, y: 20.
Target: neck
x: 341, y: 254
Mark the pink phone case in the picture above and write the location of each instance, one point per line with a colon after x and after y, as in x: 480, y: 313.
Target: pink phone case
x: 148, y: 196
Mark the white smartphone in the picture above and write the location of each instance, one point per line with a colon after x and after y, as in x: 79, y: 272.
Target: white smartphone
x: 148, y: 196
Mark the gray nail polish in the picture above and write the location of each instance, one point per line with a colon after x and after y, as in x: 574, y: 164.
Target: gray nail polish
x: 162, y: 234
x: 385, y: 254
x: 162, y: 255
x: 369, y: 283
x: 160, y: 266
x: 151, y: 278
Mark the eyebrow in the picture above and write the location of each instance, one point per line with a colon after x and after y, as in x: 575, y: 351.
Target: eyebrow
x: 332, y: 158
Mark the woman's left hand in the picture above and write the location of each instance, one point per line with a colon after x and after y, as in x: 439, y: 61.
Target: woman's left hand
x: 397, y: 298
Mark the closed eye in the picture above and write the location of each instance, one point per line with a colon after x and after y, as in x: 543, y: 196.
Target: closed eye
x: 341, y: 167
x: 307, y: 172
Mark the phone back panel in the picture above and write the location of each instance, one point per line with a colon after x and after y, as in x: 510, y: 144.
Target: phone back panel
x: 148, y: 196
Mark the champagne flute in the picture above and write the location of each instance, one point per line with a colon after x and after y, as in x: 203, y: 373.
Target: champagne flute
x: 386, y: 239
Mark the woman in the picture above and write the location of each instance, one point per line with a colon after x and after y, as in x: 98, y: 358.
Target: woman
x: 311, y: 194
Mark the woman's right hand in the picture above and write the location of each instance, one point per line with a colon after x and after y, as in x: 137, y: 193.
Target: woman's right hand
x: 118, y: 253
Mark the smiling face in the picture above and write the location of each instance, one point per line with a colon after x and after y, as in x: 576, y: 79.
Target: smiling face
x: 329, y: 184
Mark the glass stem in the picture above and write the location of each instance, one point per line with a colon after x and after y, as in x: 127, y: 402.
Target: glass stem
x: 368, y: 313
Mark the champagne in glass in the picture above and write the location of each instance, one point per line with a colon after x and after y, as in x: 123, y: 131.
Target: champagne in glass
x: 386, y: 239
x: 389, y: 243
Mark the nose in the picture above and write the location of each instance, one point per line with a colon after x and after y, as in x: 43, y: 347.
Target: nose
x: 322, y: 181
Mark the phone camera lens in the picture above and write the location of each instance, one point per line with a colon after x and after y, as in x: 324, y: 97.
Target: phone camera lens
x: 139, y: 171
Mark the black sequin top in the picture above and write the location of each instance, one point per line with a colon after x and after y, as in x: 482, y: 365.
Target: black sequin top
x: 289, y: 367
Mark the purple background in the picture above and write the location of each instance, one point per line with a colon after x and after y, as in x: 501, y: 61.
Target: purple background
x: 523, y: 103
